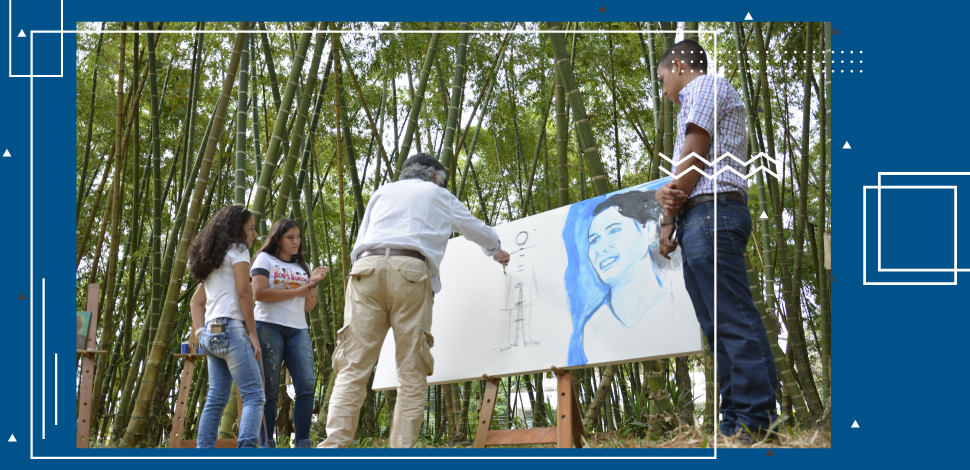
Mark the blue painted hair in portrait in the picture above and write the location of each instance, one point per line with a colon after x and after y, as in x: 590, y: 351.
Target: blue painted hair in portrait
x: 613, y: 266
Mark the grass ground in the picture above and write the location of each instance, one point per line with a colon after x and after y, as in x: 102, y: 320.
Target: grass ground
x: 682, y: 437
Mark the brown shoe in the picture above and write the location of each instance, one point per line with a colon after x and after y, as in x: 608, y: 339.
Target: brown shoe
x: 745, y: 438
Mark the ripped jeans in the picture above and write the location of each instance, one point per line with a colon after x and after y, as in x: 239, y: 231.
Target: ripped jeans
x: 384, y: 292
x: 230, y: 357
x: 282, y: 343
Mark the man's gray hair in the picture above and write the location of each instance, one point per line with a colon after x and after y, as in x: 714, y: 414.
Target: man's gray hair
x: 423, y: 172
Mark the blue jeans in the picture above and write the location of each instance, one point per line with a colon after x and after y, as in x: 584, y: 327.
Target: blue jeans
x: 281, y: 343
x: 230, y: 357
x: 745, y: 369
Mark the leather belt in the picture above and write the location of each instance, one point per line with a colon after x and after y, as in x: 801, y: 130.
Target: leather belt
x: 730, y: 196
x: 392, y: 252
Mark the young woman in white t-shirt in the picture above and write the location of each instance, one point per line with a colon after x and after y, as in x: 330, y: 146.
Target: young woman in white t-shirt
x: 222, y: 312
x: 285, y: 289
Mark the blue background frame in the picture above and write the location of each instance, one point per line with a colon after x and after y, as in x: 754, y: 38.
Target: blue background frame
x: 889, y: 356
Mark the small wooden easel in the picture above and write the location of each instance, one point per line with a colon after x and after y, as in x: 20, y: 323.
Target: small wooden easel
x: 185, y: 385
x: 567, y: 433
x: 85, y: 390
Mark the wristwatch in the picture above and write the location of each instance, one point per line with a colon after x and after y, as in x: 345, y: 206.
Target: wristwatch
x: 664, y: 220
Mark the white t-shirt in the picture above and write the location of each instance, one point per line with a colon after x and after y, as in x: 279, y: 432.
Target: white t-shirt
x: 419, y: 215
x: 221, y: 299
x: 281, y: 275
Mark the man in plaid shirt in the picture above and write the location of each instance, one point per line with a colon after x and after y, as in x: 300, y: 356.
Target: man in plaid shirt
x: 711, y: 124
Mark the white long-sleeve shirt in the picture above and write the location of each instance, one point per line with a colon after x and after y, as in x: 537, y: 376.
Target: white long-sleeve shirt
x: 419, y: 215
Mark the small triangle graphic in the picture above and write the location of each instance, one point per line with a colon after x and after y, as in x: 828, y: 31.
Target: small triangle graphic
x: 835, y: 30
x: 21, y: 35
x: 830, y: 278
x: 748, y: 17
x: 21, y: 297
x: 855, y: 424
x: 764, y: 215
x: 603, y: 9
x: 846, y: 146
x: 6, y: 153
x: 770, y: 454
x: 760, y: 110
x: 12, y: 439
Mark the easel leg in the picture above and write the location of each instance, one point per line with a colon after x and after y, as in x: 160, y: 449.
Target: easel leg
x: 178, y: 420
x: 485, y: 416
x: 84, y: 408
x: 578, y: 421
x: 87, y: 378
x: 564, y: 410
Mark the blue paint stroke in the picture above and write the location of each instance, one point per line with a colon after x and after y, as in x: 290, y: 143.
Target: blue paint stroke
x: 586, y: 292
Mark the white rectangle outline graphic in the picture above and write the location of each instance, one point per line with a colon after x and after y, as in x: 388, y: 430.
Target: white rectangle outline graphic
x: 32, y: 76
x: 926, y: 173
x: 879, y: 267
x: 865, y: 280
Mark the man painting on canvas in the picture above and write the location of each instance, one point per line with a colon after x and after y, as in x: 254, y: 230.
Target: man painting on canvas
x: 397, y: 257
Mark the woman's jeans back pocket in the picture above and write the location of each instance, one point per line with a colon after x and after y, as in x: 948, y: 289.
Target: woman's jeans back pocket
x: 215, y: 344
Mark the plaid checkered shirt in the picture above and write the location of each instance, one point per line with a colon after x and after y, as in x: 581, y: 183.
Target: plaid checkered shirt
x: 728, y: 136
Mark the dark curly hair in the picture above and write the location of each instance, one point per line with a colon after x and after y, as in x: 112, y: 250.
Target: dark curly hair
x: 272, y: 244
x: 642, y: 207
x: 209, y: 248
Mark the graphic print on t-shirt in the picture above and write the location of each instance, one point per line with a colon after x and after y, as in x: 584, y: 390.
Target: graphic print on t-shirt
x: 287, y: 278
x: 281, y: 275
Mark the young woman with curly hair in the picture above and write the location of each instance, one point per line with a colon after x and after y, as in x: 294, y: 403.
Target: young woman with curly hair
x: 285, y: 289
x: 222, y: 311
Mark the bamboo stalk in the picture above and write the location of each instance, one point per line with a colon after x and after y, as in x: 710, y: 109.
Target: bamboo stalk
x: 139, y: 418
x: 273, y: 151
x: 590, y: 151
x: 416, y: 102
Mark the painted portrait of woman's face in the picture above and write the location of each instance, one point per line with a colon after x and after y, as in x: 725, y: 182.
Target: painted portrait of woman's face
x: 617, y: 244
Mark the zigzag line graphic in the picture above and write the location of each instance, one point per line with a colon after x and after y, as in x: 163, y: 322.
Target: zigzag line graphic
x: 776, y: 161
x: 753, y: 172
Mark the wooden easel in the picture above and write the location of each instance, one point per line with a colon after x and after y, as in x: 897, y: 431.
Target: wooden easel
x: 185, y: 385
x: 567, y: 433
x: 85, y: 389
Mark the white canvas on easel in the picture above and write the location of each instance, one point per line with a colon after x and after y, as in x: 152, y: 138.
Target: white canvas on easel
x: 558, y: 303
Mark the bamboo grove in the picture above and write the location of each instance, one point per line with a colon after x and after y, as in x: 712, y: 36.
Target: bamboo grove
x: 307, y: 120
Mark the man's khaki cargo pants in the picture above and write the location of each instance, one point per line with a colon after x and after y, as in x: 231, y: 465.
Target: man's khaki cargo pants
x: 383, y: 292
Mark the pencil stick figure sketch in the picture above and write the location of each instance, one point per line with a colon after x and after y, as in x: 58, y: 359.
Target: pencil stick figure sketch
x: 521, y: 294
